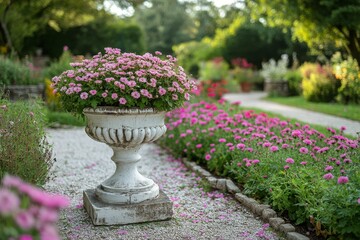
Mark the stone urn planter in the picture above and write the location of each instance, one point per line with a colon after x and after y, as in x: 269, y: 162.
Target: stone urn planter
x: 126, y: 196
x: 277, y: 88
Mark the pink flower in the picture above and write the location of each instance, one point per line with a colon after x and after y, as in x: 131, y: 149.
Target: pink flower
x: 286, y: 167
x: 9, y: 202
x: 84, y: 95
x: 47, y: 215
x: 303, y: 163
x: 175, y: 97
x: 114, y: 96
x: 122, y: 101
x: 222, y: 140
x: 198, y: 145
x: 158, y: 53
x: 274, y: 148
x: 303, y: 150
x: 290, y: 160
x: 328, y: 176
x: 104, y: 94
x: 135, y: 94
x: 92, y: 92
x: 255, y: 161
x: 48, y: 232
x: 207, y: 157
x: 358, y: 201
x: 328, y: 168
x: 25, y: 220
x: 343, y: 180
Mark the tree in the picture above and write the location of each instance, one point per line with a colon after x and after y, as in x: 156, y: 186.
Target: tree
x: 318, y: 23
x: 165, y: 23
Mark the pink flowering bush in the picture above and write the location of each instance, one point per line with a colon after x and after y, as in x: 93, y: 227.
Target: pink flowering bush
x: 125, y: 80
x: 27, y: 212
x: 300, y: 171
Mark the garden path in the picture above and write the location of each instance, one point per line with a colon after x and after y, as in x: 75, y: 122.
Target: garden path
x: 254, y: 99
x: 82, y: 163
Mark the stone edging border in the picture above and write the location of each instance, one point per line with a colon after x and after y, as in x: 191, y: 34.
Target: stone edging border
x: 263, y: 211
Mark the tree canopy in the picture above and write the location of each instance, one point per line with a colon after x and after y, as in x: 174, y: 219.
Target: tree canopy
x: 321, y: 24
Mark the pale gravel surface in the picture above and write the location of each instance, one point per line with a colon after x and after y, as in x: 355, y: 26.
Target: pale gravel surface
x: 83, y: 163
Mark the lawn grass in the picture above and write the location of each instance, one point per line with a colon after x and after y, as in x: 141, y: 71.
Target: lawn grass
x: 350, y: 111
x: 63, y: 118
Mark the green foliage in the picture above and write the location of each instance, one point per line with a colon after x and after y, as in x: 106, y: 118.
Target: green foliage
x: 323, y: 25
x: 190, y: 54
x: 294, y: 78
x: 348, y: 72
x: 165, y: 24
x: 215, y: 70
x: 56, y: 118
x: 318, y: 83
x: 13, y: 72
x: 57, y: 67
x: 24, y: 150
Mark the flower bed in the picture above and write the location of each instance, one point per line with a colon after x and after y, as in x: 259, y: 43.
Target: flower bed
x: 310, y: 176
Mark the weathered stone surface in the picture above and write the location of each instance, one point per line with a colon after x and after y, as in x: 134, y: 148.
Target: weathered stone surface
x: 212, y: 181
x: 259, y: 208
x: 17, y: 92
x: 296, y: 236
x: 231, y: 187
x: 186, y: 162
x: 112, y: 214
x: 287, y: 228
x: 276, y: 222
x: 244, y: 200
x: 204, y: 173
x: 221, y: 184
x: 267, y: 214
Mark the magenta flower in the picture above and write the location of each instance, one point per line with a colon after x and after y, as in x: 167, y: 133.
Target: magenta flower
x: 9, y: 202
x: 198, y: 145
x: 104, y: 94
x: 328, y: 168
x: 222, y: 140
x: 25, y: 237
x: 358, y: 201
x: 328, y: 176
x: 286, y: 167
x: 114, y: 96
x: 303, y: 150
x: 290, y: 160
x: 303, y: 163
x: 207, y: 157
x: 343, y: 180
x: 255, y: 161
x: 274, y: 148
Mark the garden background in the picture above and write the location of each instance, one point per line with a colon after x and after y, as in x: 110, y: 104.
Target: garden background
x: 302, y: 53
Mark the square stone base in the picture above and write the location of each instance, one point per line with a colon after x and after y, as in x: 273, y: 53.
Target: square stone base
x: 102, y: 213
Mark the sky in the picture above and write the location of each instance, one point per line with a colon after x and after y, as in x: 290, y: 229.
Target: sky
x: 114, y: 9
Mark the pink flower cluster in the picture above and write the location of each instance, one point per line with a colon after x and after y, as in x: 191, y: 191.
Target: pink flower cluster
x: 126, y: 80
x: 30, y: 208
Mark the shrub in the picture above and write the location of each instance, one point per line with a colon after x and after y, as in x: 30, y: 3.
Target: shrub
x: 14, y: 73
x: 273, y: 71
x: 57, y: 67
x: 318, y: 83
x: 27, y: 212
x: 24, y: 150
x: 293, y: 77
x: 214, y: 70
x: 311, y: 176
x: 348, y: 72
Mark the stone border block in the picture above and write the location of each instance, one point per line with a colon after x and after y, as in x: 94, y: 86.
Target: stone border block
x: 287, y: 227
x: 296, y: 236
x: 221, y: 184
x: 276, y: 222
x: 231, y: 187
x: 267, y: 214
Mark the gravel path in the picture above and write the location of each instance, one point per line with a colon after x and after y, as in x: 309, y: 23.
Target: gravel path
x: 82, y: 163
x: 254, y: 99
